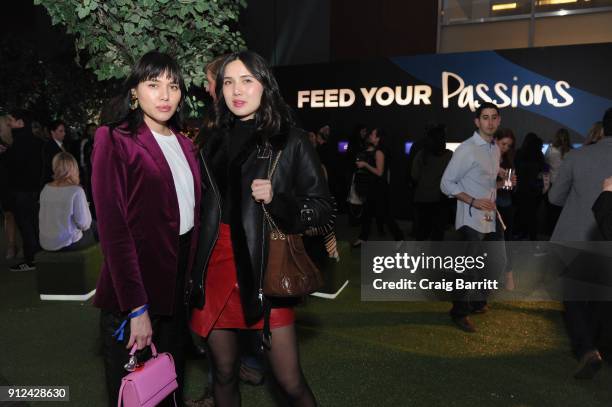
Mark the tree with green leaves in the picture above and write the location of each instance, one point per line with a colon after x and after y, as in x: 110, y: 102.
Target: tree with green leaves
x: 115, y: 33
x: 49, y: 88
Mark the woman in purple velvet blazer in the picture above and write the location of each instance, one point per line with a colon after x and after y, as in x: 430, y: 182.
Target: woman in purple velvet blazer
x: 146, y: 188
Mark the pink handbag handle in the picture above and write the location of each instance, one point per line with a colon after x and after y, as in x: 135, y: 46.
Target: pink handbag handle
x: 153, y: 349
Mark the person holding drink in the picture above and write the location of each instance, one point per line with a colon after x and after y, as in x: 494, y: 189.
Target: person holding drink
x: 506, y: 142
x: 471, y: 177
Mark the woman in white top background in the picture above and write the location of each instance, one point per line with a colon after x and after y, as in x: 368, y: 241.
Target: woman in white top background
x: 554, y: 155
x: 64, y: 216
x: 560, y: 146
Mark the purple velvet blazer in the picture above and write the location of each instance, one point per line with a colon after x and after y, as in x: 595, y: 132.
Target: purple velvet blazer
x: 138, y: 220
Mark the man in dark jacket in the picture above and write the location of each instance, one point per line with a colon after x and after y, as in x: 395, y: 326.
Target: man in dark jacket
x: 25, y: 177
x: 602, y: 209
x: 53, y: 146
x: 576, y: 188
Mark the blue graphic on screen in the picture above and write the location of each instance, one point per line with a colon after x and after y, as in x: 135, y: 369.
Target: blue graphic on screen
x: 407, y: 147
x: 489, y: 68
x: 546, y: 145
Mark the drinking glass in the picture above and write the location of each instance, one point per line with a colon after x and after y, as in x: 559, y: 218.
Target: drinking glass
x: 489, y: 216
x: 508, y: 179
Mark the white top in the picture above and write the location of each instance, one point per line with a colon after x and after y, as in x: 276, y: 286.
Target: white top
x: 182, y: 176
x: 63, y: 216
x: 553, y: 158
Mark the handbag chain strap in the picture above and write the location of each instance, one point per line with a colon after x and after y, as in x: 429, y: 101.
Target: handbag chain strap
x: 276, y: 232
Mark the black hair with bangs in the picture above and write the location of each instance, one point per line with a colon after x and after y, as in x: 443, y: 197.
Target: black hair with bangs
x: 150, y: 66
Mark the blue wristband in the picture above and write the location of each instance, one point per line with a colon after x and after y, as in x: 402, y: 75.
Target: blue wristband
x: 121, y: 330
x: 138, y: 312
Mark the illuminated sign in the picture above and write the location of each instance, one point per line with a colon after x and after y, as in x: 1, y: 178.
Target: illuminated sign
x: 384, y: 96
x: 454, y: 90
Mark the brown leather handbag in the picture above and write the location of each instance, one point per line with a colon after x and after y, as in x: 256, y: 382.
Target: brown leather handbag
x: 290, y: 272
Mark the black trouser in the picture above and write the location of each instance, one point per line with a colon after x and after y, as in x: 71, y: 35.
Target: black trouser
x: 583, y: 320
x: 377, y: 205
x: 26, y: 218
x: 527, y: 215
x: 87, y: 240
x: 465, y: 301
x: 431, y: 219
x: 170, y: 334
x: 553, y: 212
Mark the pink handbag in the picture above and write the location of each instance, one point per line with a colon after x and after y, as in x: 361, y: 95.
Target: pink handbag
x: 150, y: 383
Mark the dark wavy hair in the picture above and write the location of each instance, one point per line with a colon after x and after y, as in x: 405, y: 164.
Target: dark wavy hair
x: 562, y: 141
x: 531, y: 149
x: 55, y: 124
x: 435, y: 141
x: 380, y: 133
x: 150, y: 66
x: 22, y: 114
x: 507, y: 160
x: 274, y: 115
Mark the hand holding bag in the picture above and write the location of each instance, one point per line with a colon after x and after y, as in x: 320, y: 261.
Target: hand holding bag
x: 150, y: 383
x: 290, y: 272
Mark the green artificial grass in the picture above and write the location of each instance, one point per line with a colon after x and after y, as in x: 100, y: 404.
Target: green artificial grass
x: 353, y: 353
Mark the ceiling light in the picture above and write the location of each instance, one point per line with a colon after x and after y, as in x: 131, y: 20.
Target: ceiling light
x: 553, y: 2
x: 504, y: 6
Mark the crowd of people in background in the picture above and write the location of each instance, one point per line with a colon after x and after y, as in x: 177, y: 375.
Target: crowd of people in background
x: 31, y: 180
x: 365, y: 164
x: 502, y: 193
x: 523, y: 209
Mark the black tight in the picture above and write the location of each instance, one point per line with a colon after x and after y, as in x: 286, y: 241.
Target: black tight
x: 283, y: 357
x: 223, y: 344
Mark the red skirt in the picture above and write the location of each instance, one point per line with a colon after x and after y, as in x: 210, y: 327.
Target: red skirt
x: 223, y: 307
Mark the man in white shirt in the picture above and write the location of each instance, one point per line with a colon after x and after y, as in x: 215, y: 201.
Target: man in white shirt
x: 471, y: 177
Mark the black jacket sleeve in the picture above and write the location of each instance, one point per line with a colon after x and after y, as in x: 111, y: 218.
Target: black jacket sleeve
x: 306, y: 201
x: 602, y: 209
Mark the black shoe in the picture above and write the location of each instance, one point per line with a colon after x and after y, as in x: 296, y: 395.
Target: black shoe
x: 207, y: 400
x: 588, y: 365
x: 250, y: 375
x: 25, y: 266
x: 481, y: 310
x: 464, y: 324
x: 357, y: 243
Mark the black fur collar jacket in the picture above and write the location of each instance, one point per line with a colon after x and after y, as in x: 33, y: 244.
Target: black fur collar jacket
x: 301, y: 199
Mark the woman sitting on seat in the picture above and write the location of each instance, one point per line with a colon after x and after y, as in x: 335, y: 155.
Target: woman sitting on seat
x: 64, y: 217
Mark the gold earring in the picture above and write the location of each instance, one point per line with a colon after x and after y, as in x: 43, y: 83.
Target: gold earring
x: 134, y: 102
